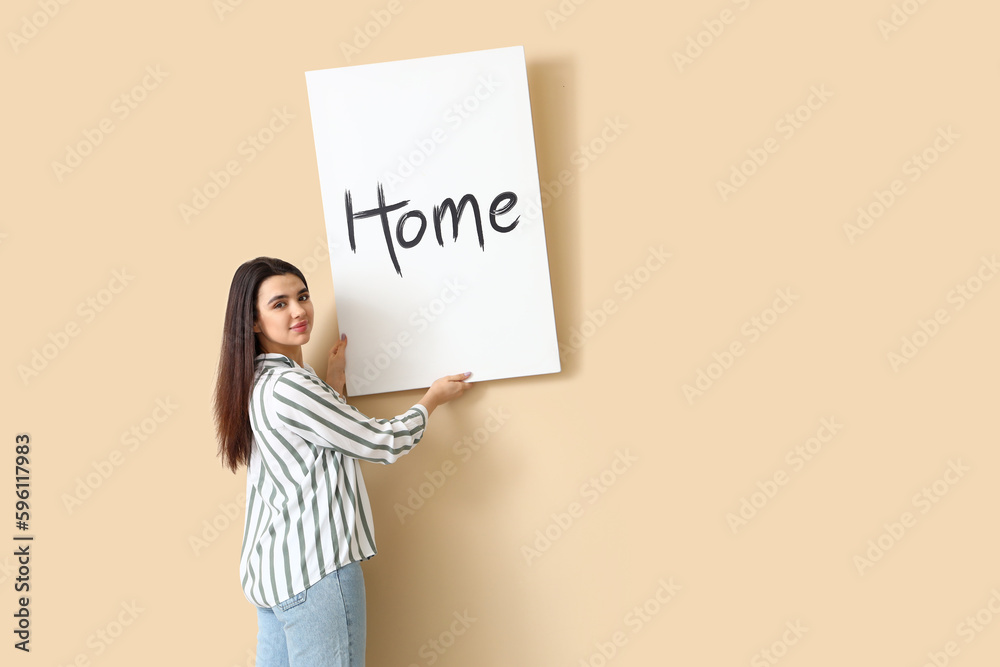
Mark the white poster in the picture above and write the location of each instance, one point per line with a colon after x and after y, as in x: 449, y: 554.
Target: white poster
x: 430, y: 195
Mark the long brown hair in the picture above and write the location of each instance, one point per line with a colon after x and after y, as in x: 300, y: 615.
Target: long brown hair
x: 240, y: 348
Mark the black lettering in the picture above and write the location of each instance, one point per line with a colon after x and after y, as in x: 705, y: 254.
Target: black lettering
x: 503, y: 203
x: 402, y: 221
x: 500, y: 210
x: 449, y: 206
x: 383, y: 212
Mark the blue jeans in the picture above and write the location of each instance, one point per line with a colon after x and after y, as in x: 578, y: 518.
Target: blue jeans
x: 323, y: 626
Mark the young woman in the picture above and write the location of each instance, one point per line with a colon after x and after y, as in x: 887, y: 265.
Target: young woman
x: 308, y: 518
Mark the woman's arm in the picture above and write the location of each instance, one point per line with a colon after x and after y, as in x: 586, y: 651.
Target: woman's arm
x: 335, y: 375
x: 445, y: 389
x: 300, y: 405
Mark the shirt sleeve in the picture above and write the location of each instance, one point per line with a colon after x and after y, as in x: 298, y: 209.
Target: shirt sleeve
x: 311, y: 409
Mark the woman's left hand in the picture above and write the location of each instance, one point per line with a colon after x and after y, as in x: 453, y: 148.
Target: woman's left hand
x: 335, y: 374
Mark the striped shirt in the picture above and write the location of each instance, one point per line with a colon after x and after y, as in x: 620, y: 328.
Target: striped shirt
x: 307, y: 508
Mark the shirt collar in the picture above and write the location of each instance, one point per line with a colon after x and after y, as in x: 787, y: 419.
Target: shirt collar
x: 267, y: 360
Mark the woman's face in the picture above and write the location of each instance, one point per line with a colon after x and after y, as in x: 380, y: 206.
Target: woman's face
x: 284, y: 314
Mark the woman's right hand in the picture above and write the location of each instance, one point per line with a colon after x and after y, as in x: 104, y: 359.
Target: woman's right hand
x: 445, y: 389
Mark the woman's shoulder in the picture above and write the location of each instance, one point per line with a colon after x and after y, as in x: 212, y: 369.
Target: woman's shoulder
x: 268, y: 366
x: 272, y: 368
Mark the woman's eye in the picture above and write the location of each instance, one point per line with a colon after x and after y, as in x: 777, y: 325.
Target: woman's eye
x: 279, y: 304
x: 304, y: 297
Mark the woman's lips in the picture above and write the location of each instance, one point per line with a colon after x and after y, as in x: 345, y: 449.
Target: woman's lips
x: 300, y: 327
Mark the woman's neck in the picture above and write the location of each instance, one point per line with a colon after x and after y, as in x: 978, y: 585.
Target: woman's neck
x: 292, y: 352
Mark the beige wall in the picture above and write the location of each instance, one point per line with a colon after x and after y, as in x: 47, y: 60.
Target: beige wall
x: 104, y: 276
